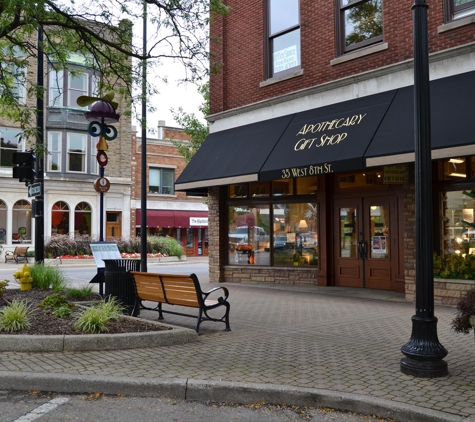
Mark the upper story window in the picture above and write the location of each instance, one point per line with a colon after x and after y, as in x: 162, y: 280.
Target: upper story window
x: 361, y: 23
x: 54, y: 148
x: 78, y: 85
x: 64, y: 87
x: 460, y: 8
x: 10, y: 142
x: 284, y: 36
x: 76, y: 159
x: 15, y: 73
x: 161, y: 181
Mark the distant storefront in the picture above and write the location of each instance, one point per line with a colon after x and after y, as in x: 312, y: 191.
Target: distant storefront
x: 190, y: 228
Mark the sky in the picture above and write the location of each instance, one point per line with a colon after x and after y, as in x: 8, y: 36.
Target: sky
x: 172, y: 95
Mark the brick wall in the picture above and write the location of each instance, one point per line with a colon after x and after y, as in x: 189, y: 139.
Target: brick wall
x: 160, y: 153
x: 241, y: 47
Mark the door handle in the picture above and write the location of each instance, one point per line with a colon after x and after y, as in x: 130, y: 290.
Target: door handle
x: 363, y: 249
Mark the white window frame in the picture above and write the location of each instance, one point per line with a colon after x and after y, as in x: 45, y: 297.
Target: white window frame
x: 54, y: 152
x: 159, y: 176
x: 55, y: 88
x: 82, y: 153
x: 84, y: 91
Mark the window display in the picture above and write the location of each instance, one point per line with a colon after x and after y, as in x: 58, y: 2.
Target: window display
x: 458, y: 226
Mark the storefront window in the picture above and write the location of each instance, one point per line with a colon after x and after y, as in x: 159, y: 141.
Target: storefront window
x: 454, y: 169
x: 248, y: 235
x: 307, y: 185
x: 359, y: 180
x: 458, y: 231
x: 295, y: 239
x: 282, y: 187
x: 82, y: 219
x: 259, y: 189
x: 21, y: 223
x: 3, y: 222
x: 238, y: 191
x: 60, y: 218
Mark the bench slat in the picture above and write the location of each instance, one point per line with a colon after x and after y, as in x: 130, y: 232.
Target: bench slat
x: 181, y: 290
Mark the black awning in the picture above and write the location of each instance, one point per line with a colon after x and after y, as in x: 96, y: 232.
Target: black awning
x: 232, y: 156
x: 352, y: 135
x: 327, y: 139
x: 452, y: 124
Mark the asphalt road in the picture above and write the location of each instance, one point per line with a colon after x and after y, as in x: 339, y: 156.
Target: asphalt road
x: 79, y: 276
x: 28, y: 406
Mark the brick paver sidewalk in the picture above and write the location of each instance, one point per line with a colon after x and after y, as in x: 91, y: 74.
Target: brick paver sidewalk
x: 345, y: 341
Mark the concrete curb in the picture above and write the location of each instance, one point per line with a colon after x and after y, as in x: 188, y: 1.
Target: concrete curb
x: 89, y: 342
x: 217, y: 391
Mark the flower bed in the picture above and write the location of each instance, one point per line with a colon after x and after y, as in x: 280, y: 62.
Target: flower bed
x: 123, y: 255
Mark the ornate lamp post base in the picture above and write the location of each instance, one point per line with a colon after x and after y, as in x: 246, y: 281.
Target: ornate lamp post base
x: 424, y: 353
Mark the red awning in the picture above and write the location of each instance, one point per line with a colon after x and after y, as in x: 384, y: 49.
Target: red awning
x: 182, y: 219
x: 157, y: 218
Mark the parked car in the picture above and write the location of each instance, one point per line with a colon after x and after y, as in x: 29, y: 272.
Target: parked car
x: 245, y: 234
x: 280, y: 242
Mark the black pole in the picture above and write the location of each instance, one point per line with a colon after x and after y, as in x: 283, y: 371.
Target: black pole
x: 101, y: 200
x: 143, y: 185
x: 39, y: 200
x: 424, y: 353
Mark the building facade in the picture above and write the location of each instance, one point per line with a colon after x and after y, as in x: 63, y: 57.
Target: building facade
x: 169, y: 213
x: 310, y: 160
x: 72, y: 206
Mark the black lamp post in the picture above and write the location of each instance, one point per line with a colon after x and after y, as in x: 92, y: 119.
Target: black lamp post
x: 424, y: 353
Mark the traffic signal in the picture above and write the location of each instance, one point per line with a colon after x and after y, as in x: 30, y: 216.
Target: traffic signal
x: 25, y: 166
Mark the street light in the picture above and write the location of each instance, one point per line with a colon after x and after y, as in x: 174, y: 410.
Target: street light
x: 424, y: 354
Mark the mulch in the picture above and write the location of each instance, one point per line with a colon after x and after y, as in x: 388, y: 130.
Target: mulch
x: 45, y: 323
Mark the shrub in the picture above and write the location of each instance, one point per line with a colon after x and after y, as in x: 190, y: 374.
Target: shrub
x: 55, y: 301
x: 455, y: 267
x: 16, y: 316
x: 62, y: 312
x: 94, y: 319
x: 3, y: 286
x: 165, y: 245
x: 465, y: 309
x: 59, y: 245
x: 79, y: 293
x: 45, y: 278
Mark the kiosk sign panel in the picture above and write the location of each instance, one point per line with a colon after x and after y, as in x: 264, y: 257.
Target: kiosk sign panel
x: 104, y: 250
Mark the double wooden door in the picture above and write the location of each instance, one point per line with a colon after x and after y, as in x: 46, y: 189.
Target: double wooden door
x: 366, y: 242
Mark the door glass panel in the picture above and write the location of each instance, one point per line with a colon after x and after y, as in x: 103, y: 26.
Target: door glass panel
x: 348, y: 233
x: 379, y: 233
x: 189, y: 238
x: 200, y: 242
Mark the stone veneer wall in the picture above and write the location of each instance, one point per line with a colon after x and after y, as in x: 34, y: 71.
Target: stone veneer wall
x: 216, y: 273
x: 446, y: 292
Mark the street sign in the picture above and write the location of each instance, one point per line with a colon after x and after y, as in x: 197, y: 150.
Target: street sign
x: 34, y: 190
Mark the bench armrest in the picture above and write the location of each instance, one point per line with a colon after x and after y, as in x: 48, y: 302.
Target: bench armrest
x: 224, y: 289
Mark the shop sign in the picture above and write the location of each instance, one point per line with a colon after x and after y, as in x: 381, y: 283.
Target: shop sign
x: 198, y: 221
x: 395, y: 174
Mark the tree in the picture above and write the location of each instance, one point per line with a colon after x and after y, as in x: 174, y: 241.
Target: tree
x: 102, y: 33
x: 192, y: 126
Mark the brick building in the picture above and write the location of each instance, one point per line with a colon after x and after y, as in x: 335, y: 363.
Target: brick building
x: 168, y: 212
x: 310, y: 160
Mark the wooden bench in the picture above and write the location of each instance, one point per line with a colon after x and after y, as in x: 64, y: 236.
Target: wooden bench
x: 19, y: 254
x: 181, y: 290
